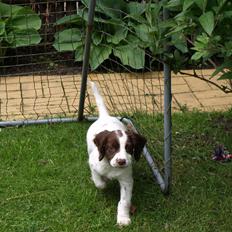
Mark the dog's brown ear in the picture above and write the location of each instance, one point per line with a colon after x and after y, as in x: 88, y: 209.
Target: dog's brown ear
x: 100, y: 142
x: 138, y: 142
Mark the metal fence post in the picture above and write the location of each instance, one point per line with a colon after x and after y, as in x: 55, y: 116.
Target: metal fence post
x: 85, y: 68
x: 167, y: 127
x: 167, y: 122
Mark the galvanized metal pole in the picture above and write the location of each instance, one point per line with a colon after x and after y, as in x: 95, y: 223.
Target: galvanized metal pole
x: 36, y: 121
x: 92, y: 4
x: 167, y: 128
x: 167, y: 122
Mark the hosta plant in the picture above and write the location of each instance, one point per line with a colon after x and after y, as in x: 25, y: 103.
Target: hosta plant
x: 18, y: 27
x: 125, y: 30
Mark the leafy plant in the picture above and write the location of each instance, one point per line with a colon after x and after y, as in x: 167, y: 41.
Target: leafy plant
x: 204, y: 28
x: 18, y: 27
x: 198, y: 33
x: 124, y: 30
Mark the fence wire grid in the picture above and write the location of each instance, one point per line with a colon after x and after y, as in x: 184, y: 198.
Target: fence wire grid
x: 38, y: 81
x: 41, y: 53
x: 40, y: 77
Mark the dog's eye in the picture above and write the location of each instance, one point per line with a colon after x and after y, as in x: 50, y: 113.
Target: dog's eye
x: 110, y: 149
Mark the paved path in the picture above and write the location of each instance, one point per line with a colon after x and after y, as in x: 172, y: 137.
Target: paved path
x: 45, y: 96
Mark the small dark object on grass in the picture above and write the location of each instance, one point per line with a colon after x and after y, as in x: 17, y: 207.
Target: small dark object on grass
x: 132, y: 209
x: 221, y: 154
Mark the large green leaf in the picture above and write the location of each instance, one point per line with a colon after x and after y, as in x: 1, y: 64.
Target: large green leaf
x: 7, y: 10
x: 153, y: 14
x: 207, y: 22
x: 145, y: 33
x: 201, y: 4
x: 137, y: 42
x: 25, y: 18
x: 97, y: 37
x: 136, y: 8
x: 111, y: 8
x: 79, y: 53
x: 98, y: 55
x: 187, y: 4
x: 68, y: 40
x: 132, y: 39
x: 69, y: 19
x: 83, y: 13
x: 20, y: 38
x: 118, y: 36
x: 131, y: 56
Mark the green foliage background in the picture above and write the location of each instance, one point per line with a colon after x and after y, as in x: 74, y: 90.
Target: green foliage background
x: 198, y: 32
x: 18, y: 27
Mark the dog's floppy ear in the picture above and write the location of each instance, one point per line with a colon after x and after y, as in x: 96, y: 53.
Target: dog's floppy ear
x: 138, y: 142
x: 100, y: 142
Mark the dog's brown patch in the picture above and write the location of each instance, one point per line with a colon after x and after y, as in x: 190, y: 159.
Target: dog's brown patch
x: 107, y: 143
x: 135, y: 144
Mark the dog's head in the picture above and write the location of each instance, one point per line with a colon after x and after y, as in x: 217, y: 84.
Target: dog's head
x: 118, y: 147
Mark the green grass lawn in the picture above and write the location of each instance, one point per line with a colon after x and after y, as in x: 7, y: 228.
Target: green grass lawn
x: 45, y: 180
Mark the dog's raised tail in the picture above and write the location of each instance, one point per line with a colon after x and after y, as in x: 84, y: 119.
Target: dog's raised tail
x: 99, y: 100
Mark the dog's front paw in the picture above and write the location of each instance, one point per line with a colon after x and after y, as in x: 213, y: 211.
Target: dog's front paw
x: 99, y: 182
x: 101, y: 185
x: 123, y: 221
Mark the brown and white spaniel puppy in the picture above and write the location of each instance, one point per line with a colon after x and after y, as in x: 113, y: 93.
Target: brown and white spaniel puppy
x: 111, y: 149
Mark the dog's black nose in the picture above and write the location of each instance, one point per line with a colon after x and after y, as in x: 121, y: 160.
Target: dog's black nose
x: 121, y: 162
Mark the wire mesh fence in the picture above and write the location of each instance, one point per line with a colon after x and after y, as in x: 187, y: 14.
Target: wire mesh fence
x: 41, y: 59
x: 32, y: 81
x: 41, y: 49
x: 40, y: 77
x: 41, y: 54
